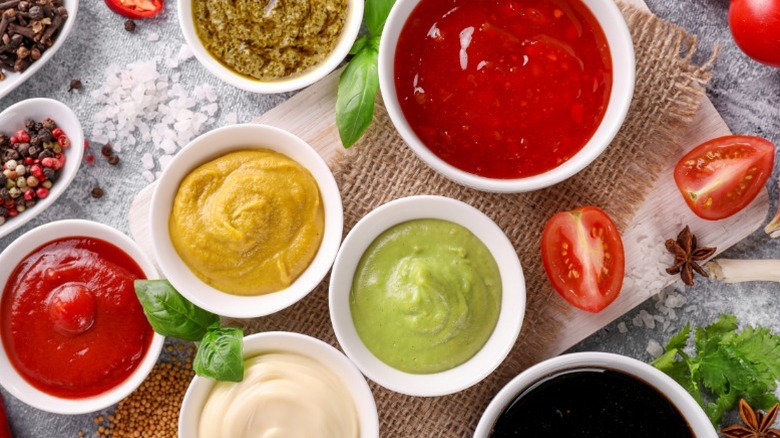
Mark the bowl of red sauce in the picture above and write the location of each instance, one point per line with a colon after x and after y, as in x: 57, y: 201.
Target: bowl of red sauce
x: 507, y: 95
x: 74, y: 336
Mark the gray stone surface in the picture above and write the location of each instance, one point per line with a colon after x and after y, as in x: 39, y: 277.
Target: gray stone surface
x: 746, y: 93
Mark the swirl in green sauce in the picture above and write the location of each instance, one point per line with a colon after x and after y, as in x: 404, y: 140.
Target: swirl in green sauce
x: 426, y: 296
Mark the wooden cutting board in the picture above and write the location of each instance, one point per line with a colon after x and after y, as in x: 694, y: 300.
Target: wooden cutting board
x: 310, y: 115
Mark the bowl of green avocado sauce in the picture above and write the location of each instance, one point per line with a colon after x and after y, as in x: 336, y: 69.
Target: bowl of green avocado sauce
x: 427, y: 295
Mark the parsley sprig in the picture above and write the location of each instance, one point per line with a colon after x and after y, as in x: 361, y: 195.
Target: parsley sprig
x: 727, y: 365
x: 359, y: 81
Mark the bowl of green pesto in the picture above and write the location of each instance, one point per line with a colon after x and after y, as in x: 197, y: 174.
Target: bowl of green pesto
x: 270, y: 46
x: 427, y: 295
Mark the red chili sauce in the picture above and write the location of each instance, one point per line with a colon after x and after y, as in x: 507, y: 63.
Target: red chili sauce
x: 503, y: 88
x: 71, y: 322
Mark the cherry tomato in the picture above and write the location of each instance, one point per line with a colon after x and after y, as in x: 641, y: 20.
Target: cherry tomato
x: 135, y: 8
x: 583, y: 255
x: 722, y: 176
x: 5, y: 428
x: 755, y: 25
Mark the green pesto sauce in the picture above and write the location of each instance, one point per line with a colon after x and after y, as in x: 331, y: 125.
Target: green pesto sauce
x: 269, y: 39
x: 426, y: 296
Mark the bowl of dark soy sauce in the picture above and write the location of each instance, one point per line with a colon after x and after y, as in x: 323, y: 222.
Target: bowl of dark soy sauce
x: 593, y: 395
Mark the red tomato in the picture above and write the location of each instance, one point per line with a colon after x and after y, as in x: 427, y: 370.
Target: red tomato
x: 755, y: 25
x: 135, y: 8
x: 722, y: 176
x: 5, y: 429
x: 583, y: 256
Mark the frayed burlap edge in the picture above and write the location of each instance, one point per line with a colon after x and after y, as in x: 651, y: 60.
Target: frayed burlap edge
x: 380, y: 168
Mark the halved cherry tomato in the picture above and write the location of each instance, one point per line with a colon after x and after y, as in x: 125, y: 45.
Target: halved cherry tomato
x: 583, y: 255
x: 136, y: 8
x: 722, y: 176
x: 5, y: 429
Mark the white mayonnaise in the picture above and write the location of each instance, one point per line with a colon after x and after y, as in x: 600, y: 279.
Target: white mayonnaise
x: 282, y: 395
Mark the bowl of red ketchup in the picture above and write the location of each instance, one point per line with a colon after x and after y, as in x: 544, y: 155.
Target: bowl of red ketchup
x: 507, y: 95
x: 74, y: 335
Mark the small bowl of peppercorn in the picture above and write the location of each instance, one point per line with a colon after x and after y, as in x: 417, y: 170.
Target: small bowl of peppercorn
x: 40, y: 152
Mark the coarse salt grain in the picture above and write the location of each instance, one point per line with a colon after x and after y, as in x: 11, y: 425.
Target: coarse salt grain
x: 654, y: 348
x: 153, y: 36
x: 622, y: 327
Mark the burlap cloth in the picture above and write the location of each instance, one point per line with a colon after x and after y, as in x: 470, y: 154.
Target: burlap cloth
x: 381, y: 168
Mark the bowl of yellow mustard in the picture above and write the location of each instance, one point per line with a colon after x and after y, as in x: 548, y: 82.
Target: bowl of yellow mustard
x: 427, y: 295
x: 270, y: 46
x: 246, y: 220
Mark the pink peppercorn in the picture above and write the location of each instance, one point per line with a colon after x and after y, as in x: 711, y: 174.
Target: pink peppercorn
x: 37, y: 171
x: 14, y: 140
x: 23, y: 136
x: 57, y: 133
x: 29, y: 194
x: 12, y: 212
x: 64, y: 141
x: 28, y: 161
x: 42, y: 192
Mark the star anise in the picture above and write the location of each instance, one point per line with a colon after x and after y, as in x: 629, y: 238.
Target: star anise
x: 686, y: 256
x: 757, y: 424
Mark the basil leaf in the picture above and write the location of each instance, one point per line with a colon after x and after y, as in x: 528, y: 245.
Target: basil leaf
x: 220, y: 355
x: 376, y: 13
x: 170, y: 314
x: 358, y: 85
x: 358, y: 46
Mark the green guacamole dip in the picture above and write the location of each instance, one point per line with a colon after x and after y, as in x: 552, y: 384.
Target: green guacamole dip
x: 426, y: 296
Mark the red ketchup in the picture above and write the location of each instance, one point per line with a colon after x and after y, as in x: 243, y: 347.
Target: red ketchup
x: 503, y: 88
x: 71, y: 323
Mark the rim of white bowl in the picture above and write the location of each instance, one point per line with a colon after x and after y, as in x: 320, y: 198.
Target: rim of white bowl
x: 10, y: 258
x: 13, y: 80
x: 38, y: 109
x: 623, y: 67
x: 214, y: 144
x: 697, y: 420
x: 326, y: 354
x: 349, y: 33
x: 513, y: 296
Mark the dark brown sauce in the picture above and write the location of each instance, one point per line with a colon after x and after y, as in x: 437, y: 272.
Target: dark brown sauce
x: 591, y: 402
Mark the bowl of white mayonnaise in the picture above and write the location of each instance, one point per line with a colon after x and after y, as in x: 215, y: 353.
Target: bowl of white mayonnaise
x: 294, y: 386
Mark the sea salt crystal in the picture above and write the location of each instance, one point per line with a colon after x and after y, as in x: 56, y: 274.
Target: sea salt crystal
x: 659, y: 318
x: 654, y: 348
x: 666, y: 325
x: 185, y: 53
x: 148, y: 175
x: 147, y: 161
x: 622, y: 327
x: 153, y: 36
x: 648, y: 319
x: 637, y: 321
x: 231, y: 118
x: 690, y: 309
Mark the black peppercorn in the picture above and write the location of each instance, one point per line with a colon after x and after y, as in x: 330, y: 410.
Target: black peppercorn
x: 11, y: 154
x: 33, y: 151
x: 29, y: 125
x: 107, y: 150
x: 3, y: 179
x: 48, y: 173
x: 46, y: 153
x: 113, y: 160
x: 4, y: 194
x: 75, y: 84
x: 97, y: 193
x: 130, y: 26
x: 49, y: 124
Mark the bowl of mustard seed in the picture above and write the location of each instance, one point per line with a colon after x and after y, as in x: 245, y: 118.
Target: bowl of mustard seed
x: 270, y: 46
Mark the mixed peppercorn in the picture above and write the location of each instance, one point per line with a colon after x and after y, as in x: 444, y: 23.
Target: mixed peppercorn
x: 31, y: 161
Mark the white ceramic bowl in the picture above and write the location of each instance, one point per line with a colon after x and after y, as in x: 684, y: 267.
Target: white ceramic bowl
x: 14, y: 79
x: 313, y: 74
x: 334, y: 360
x: 12, y: 120
x: 215, y: 144
x: 510, y: 318
x: 10, y: 378
x: 697, y: 420
x: 622, y: 52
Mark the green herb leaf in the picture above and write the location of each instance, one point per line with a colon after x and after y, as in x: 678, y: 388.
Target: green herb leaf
x: 221, y: 355
x: 358, y: 85
x: 170, y: 314
x: 358, y: 46
x: 728, y: 365
x: 376, y: 12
